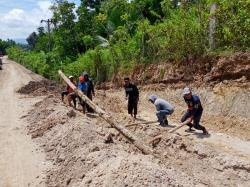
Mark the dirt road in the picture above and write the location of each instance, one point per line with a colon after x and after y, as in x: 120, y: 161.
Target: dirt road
x: 21, y: 161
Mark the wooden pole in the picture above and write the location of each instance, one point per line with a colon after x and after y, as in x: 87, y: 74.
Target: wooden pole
x: 159, y: 137
x: 109, y: 119
x: 139, y: 123
x: 180, y: 126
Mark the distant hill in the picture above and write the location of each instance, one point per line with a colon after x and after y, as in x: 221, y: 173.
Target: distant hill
x: 20, y: 40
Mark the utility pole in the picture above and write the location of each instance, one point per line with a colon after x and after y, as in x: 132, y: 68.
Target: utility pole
x: 212, y: 26
x: 48, y: 21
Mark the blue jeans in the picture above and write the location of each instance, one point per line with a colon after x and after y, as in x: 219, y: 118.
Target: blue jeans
x: 161, y: 115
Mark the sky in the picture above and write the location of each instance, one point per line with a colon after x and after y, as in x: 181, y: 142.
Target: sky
x: 19, y: 18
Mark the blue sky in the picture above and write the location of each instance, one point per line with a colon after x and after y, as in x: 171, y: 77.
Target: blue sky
x: 19, y: 18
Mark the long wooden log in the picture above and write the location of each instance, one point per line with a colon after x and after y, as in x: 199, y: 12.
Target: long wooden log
x: 180, y: 126
x: 139, y: 123
x: 109, y: 119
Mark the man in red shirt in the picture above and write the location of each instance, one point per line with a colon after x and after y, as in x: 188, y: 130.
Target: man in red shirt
x: 68, y: 92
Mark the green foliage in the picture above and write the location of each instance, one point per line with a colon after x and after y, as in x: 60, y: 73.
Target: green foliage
x: 233, y: 29
x: 39, y: 62
x: 4, y: 45
x: 113, y: 36
x: 32, y: 40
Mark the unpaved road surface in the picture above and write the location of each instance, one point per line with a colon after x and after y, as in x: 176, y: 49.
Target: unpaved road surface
x: 21, y: 161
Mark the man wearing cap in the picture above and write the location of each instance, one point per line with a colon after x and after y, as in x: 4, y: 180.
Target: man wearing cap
x: 163, y: 108
x: 69, y: 91
x: 194, y: 112
x: 132, y: 94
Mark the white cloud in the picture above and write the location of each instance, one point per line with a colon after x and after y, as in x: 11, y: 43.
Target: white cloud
x: 44, y: 6
x: 19, y: 23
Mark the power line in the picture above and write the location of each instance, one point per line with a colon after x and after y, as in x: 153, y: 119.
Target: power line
x: 49, y: 22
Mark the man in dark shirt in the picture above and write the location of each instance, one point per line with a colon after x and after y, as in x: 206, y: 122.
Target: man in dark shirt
x: 194, y: 111
x: 132, y: 93
x: 90, y: 90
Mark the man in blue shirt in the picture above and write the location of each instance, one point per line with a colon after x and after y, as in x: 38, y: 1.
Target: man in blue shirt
x: 82, y: 85
x: 194, y: 111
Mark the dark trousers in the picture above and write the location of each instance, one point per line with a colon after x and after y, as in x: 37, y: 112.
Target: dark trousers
x: 82, y: 103
x: 66, y: 93
x: 196, y: 120
x: 132, y: 106
x: 89, y: 109
x: 72, y: 95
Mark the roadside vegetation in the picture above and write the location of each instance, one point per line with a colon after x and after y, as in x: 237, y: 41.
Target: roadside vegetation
x: 109, y: 38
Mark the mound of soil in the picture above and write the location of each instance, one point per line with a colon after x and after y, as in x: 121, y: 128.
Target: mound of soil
x: 80, y: 156
x: 41, y: 88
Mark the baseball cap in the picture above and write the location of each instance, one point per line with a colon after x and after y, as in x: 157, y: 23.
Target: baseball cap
x: 186, y: 91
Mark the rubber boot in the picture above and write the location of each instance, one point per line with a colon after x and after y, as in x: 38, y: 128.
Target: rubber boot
x: 166, y: 121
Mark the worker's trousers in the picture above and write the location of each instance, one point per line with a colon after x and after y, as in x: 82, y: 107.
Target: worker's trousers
x: 132, y: 106
x: 196, y: 120
x: 162, y: 114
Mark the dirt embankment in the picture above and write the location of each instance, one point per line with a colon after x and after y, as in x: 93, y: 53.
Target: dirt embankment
x: 206, y: 71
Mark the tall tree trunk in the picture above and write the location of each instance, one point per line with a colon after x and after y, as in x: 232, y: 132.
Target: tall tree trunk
x: 212, y: 26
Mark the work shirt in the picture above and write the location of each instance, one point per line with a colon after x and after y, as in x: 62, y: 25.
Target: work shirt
x: 83, y: 87
x: 194, y: 105
x: 69, y: 89
x: 131, y: 91
x: 90, y: 89
x: 162, y: 104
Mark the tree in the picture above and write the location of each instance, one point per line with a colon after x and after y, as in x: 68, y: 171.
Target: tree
x: 64, y: 34
x: 150, y: 9
x: 41, y: 31
x: 4, y: 45
x: 32, y: 40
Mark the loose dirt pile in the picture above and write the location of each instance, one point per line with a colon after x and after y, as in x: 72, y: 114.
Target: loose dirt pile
x: 80, y: 156
x: 76, y: 145
x: 41, y: 88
